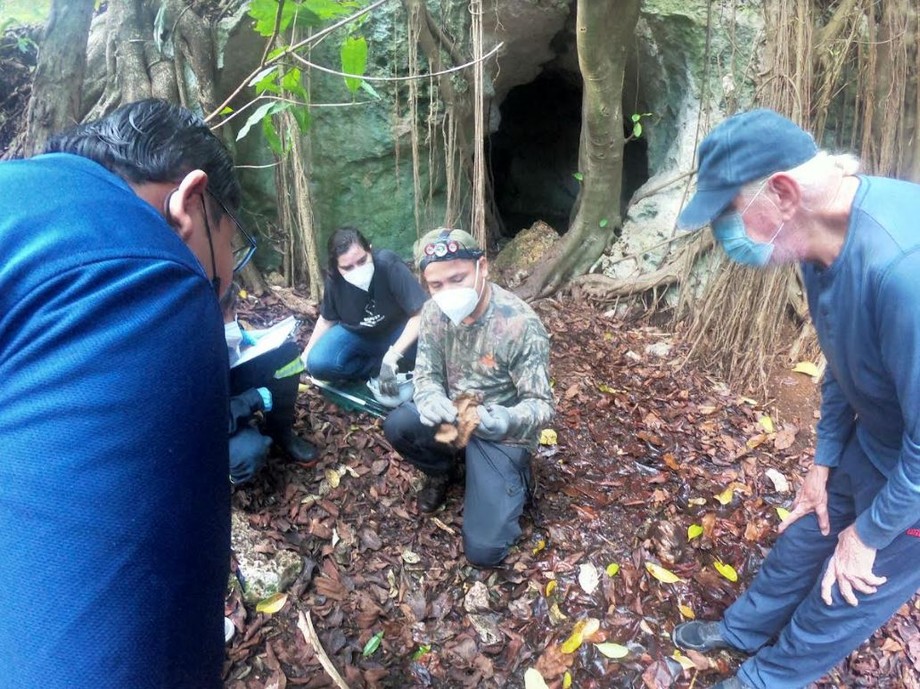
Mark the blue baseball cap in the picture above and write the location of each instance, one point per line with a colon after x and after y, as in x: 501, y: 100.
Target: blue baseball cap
x: 744, y: 148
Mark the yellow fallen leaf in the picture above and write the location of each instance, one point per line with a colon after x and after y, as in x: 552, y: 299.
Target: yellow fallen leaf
x: 302, y: 388
x: 272, y: 604
x: 687, y: 612
x: 541, y: 544
x: 612, y: 569
x: 684, y: 661
x: 550, y: 587
x: 333, y: 477
x: 783, y: 513
x: 548, y: 437
x: 534, y: 680
x: 612, y: 650
x: 244, y: 294
x: 661, y: 574
x: 726, y: 495
x: 767, y: 423
x: 603, y: 387
x: 694, y: 531
x: 573, y: 643
x: 697, y: 501
x: 806, y: 367
x: 556, y: 616
x: 726, y: 571
x: 566, y: 680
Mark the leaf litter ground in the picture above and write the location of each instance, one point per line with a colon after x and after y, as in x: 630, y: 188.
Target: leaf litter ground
x: 645, y: 451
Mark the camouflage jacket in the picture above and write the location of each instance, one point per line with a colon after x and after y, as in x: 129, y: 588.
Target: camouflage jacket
x: 504, y: 355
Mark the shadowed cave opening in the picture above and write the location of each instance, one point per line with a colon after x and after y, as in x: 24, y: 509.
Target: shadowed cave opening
x: 534, y: 154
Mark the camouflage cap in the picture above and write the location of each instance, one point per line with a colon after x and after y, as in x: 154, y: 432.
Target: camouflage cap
x: 445, y: 244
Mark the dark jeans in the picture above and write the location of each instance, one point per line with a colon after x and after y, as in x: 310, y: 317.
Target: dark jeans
x: 784, y: 601
x: 497, y: 482
x: 260, y: 373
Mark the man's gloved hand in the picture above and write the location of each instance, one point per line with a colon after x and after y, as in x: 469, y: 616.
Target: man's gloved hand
x: 386, y: 379
x: 494, y: 422
x: 248, y: 452
x: 436, y: 410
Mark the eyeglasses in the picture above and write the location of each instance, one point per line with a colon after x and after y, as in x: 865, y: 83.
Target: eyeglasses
x: 242, y: 254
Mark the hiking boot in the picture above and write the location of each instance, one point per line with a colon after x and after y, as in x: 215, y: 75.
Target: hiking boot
x: 699, y: 636
x: 731, y: 683
x: 433, y: 493
x: 298, y: 449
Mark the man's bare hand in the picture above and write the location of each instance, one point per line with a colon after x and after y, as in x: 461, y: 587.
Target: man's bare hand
x: 851, y: 568
x: 812, y: 497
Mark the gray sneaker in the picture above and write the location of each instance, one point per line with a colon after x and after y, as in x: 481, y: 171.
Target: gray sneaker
x: 699, y: 636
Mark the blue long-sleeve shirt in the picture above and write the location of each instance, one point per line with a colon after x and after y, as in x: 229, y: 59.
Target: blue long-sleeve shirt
x: 866, y: 309
x: 114, y: 494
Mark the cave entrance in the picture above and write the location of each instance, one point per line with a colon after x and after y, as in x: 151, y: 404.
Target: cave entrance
x: 534, y: 154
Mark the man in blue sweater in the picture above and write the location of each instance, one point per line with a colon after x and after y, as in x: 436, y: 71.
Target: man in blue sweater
x: 848, y: 555
x: 114, y: 489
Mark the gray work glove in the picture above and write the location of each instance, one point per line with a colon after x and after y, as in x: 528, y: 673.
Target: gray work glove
x: 436, y: 410
x: 386, y: 379
x: 494, y: 422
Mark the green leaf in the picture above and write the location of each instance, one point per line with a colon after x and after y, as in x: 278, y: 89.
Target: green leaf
x: 226, y: 111
x: 271, y: 136
x: 302, y: 117
x: 602, y: 223
x: 637, y: 130
x: 370, y: 90
x: 636, y: 117
x: 579, y: 176
x: 372, y: 645
x: 266, y: 80
x: 255, y: 118
x: 329, y: 9
x: 291, y: 80
x: 354, y: 61
x: 420, y: 651
x: 264, y: 12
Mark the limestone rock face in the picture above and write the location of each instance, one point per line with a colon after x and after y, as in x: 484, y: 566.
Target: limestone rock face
x: 517, y: 259
x: 264, y: 573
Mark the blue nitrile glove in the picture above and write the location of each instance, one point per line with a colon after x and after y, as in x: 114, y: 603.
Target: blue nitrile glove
x: 494, y: 422
x: 435, y: 410
x: 266, y: 396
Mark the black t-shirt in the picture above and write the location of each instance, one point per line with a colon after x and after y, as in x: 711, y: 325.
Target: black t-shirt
x: 394, y: 296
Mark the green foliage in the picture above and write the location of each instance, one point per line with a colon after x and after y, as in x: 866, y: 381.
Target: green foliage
x: 302, y: 13
x: 281, y: 80
x: 637, y: 123
x: 32, y: 12
x: 579, y: 176
x: 372, y: 645
x: 354, y: 61
x: 24, y: 44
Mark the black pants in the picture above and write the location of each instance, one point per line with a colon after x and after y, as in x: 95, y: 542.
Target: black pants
x: 497, y: 482
x: 260, y: 373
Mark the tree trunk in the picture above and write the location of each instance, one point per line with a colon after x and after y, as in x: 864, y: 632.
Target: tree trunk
x: 604, y: 29
x: 59, y: 73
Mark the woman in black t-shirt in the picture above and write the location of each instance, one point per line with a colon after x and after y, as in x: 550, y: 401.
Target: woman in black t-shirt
x: 369, y: 315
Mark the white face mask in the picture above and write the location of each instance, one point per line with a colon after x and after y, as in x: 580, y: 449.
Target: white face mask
x: 458, y: 303
x: 360, y: 276
x: 234, y: 337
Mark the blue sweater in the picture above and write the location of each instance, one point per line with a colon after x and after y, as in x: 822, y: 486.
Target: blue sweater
x: 866, y: 309
x: 114, y: 493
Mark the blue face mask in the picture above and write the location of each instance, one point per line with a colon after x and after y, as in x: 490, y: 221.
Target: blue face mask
x: 729, y: 231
